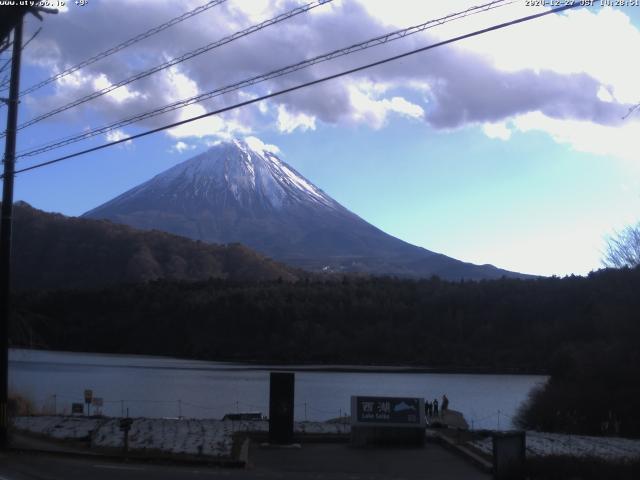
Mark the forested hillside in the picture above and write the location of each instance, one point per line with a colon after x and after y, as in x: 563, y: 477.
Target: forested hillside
x: 502, y: 324
x: 54, y: 251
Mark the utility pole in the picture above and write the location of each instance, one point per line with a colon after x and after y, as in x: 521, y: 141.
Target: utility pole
x: 13, y: 16
x: 5, y: 230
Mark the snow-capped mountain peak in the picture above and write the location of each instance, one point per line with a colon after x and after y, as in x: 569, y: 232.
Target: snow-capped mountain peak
x: 240, y: 191
x: 245, y: 171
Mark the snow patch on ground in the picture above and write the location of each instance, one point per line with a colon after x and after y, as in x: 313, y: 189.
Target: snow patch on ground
x: 194, y: 437
x: 544, y: 444
x: 207, y: 437
x: 62, y: 428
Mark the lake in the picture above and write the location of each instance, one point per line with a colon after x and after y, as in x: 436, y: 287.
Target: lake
x: 167, y: 387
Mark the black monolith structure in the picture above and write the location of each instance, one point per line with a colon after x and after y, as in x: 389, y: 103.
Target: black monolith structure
x: 281, y: 394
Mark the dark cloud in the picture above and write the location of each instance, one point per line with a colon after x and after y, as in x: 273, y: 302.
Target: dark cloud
x: 463, y: 86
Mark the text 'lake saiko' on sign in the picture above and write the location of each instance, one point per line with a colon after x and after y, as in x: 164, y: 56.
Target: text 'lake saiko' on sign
x: 388, y: 410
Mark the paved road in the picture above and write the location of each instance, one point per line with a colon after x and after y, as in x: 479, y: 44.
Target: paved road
x: 340, y: 461
x: 17, y: 466
x: 312, y: 461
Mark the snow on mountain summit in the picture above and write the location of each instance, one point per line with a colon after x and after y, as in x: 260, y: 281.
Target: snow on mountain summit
x: 246, y: 171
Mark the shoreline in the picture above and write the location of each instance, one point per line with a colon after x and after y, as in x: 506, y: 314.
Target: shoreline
x: 261, y: 365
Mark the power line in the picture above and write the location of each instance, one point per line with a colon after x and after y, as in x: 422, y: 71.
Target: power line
x: 8, y: 62
x: 398, y: 34
x: 304, y: 85
x: 124, y: 45
x: 35, y: 34
x: 5, y: 65
x: 6, y: 81
x: 263, y: 77
x: 170, y: 63
x: 6, y: 45
x: 631, y: 110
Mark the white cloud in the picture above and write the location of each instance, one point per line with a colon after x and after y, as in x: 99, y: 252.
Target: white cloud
x: 373, y: 111
x: 212, y: 126
x: 497, y: 130
x: 256, y: 144
x: 404, y: 107
x: 119, y: 94
x: 622, y: 142
x: 181, y: 147
x: 255, y: 10
x: 74, y: 80
x: 263, y: 107
x: 179, y: 85
x: 411, y: 12
x: 116, y: 135
x: 496, y: 77
x: 554, y: 43
x: 605, y: 95
x: 289, y: 122
x: 549, y: 44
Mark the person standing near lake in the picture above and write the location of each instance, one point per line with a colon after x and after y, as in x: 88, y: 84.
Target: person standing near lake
x: 445, y: 402
x: 435, y: 407
x: 427, y: 408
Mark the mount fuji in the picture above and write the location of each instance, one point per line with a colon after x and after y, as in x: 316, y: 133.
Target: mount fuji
x: 240, y: 191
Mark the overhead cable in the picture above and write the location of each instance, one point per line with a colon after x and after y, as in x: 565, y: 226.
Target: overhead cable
x: 123, y: 45
x: 303, y: 85
x: 174, y: 61
x: 379, y: 40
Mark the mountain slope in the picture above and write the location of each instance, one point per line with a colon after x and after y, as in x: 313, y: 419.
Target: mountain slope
x: 54, y: 251
x: 239, y: 191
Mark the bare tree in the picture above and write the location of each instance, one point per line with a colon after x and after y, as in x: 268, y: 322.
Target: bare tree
x: 623, y: 249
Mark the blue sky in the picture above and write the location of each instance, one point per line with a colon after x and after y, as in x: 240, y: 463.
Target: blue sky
x: 507, y: 149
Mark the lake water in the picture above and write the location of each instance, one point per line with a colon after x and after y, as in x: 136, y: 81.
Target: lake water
x: 168, y: 387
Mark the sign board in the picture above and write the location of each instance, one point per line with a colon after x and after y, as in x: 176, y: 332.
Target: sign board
x: 387, y: 411
x: 88, y: 395
x: 387, y: 421
x: 96, y: 401
x: 77, y: 408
